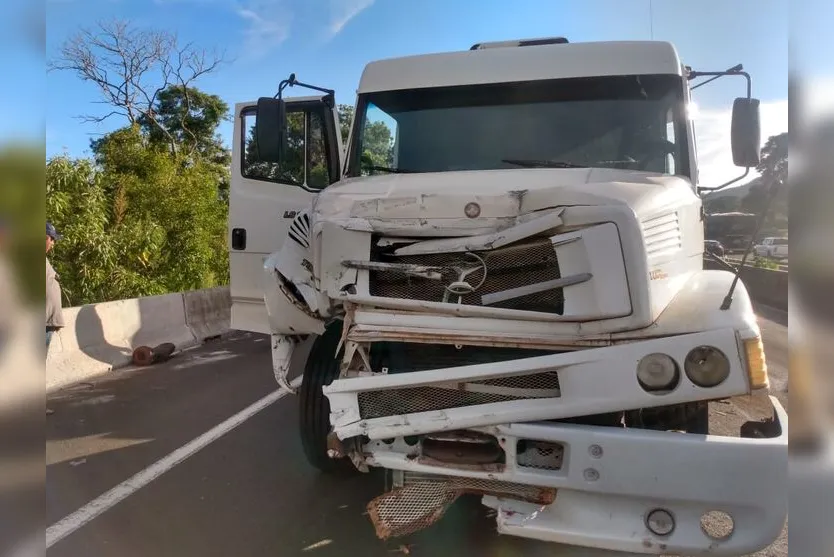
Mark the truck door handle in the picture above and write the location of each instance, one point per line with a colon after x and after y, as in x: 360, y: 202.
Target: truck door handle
x: 239, y: 238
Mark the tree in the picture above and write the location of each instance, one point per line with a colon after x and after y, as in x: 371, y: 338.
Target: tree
x: 774, y: 170
x: 137, y: 222
x: 774, y: 160
x: 345, y: 120
x: 191, y: 117
x: 378, y: 144
x: 131, y: 68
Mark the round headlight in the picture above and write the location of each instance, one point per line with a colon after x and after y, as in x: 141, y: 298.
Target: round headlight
x: 706, y: 366
x: 657, y: 372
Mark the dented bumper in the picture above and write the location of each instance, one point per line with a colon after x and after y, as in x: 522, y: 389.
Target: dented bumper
x: 608, y: 481
x: 561, y: 385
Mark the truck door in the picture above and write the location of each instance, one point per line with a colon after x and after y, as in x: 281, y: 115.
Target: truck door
x: 265, y: 197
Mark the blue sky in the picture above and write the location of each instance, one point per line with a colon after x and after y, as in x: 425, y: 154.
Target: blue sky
x: 328, y: 42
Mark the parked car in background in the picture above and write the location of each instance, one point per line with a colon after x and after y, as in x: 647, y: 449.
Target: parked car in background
x: 714, y: 247
x: 776, y: 248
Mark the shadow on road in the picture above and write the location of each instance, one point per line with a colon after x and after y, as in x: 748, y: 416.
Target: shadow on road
x: 101, y: 432
x: 89, y: 332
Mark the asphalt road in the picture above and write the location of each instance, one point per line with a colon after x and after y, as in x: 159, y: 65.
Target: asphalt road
x: 248, y: 491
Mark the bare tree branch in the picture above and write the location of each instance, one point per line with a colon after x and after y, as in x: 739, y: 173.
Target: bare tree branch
x: 131, y: 67
x: 100, y: 119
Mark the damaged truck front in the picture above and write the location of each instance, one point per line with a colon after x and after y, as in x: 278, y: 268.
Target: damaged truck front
x: 497, y: 288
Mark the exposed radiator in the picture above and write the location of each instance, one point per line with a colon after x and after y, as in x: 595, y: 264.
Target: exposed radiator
x: 522, y: 264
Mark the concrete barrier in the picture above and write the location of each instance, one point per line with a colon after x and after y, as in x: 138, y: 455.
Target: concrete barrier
x: 208, y: 312
x: 766, y: 286
x: 101, y: 337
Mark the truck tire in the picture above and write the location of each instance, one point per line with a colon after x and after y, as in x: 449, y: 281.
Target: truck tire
x: 321, y: 368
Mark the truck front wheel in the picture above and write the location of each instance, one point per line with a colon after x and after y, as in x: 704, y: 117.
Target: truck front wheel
x: 321, y: 369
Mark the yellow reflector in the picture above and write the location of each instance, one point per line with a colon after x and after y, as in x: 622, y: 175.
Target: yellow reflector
x: 756, y: 363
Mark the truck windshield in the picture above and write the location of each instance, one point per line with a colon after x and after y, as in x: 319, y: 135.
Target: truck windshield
x: 627, y: 122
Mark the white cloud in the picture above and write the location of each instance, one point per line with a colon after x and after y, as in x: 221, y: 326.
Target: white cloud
x: 267, y: 24
x: 712, y: 133
x: 270, y: 22
x: 342, y: 11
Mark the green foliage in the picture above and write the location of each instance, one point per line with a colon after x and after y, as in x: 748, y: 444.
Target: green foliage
x: 774, y: 161
x: 377, y: 145
x: 765, y: 263
x: 137, y: 222
x: 189, y: 117
x: 291, y: 169
x: 377, y: 140
x: 345, y: 121
x: 774, y: 171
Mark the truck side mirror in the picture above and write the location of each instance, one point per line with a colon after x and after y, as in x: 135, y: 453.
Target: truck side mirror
x: 746, y: 132
x: 271, y: 129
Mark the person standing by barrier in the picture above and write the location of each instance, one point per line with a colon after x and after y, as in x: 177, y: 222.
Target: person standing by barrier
x: 54, y: 309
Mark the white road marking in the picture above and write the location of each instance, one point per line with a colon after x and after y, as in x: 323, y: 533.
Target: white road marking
x: 106, y: 501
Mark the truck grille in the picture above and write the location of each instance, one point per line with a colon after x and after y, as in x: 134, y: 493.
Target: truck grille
x: 392, y: 402
x: 521, y: 264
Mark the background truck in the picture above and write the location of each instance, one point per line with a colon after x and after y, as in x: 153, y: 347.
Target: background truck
x: 497, y: 288
x: 734, y: 230
x: 775, y: 248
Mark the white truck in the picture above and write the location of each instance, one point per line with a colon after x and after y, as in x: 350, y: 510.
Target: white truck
x: 497, y: 288
x: 773, y: 247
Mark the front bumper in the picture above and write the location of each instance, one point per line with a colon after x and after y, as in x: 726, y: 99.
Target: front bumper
x: 611, y: 478
x: 592, y: 381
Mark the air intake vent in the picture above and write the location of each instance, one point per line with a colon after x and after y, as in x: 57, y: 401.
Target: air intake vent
x: 300, y: 230
x: 662, y: 235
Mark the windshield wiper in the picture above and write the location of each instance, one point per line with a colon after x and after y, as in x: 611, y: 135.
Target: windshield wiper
x: 535, y: 163
x: 389, y: 169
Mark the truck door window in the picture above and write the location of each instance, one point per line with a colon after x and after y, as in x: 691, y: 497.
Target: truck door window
x: 305, y: 163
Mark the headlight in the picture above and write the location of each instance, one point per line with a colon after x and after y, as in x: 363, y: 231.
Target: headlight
x: 706, y: 366
x: 657, y: 372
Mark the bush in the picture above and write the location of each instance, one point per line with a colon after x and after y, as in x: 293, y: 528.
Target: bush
x: 765, y: 263
x: 137, y: 222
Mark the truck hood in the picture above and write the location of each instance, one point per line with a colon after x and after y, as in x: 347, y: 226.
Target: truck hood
x: 501, y: 195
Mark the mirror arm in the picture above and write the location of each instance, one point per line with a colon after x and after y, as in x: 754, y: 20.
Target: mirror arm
x: 735, y: 70
x: 292, y: 81
x: 724, y: 185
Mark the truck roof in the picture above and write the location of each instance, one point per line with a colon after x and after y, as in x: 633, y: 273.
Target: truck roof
x: 521, y: 63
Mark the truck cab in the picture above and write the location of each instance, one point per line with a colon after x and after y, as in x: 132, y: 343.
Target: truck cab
x: 500, y: 282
